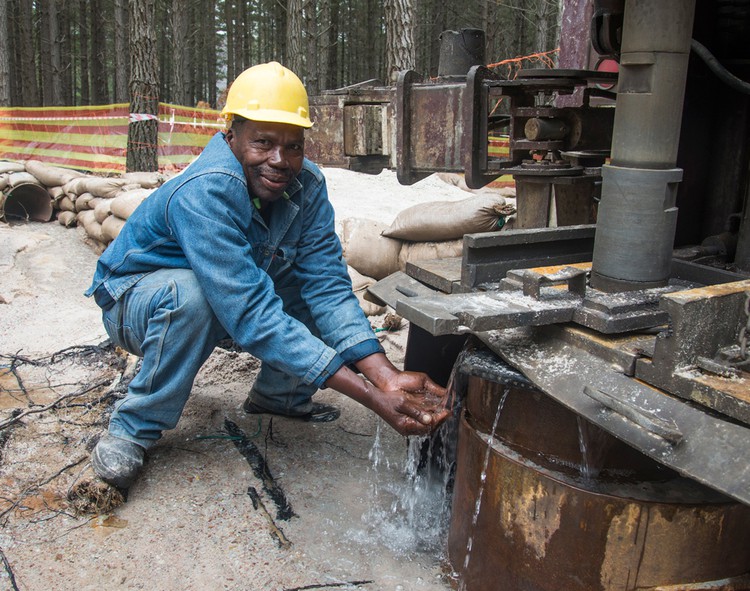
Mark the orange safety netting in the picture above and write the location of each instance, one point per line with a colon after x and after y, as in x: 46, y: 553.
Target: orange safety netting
x: 95, y: 138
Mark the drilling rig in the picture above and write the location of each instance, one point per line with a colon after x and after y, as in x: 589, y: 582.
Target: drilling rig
x: 604, y: 430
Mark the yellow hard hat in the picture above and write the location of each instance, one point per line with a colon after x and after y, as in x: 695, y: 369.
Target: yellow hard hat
x: 268, y: 92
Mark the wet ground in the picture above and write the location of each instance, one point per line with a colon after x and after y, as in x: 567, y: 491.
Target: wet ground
x: 200, y: 517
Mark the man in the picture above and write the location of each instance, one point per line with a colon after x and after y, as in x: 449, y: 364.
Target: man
x: 242, y: 245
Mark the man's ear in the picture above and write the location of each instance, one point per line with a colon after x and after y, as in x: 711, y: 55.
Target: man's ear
x: 229, y: 136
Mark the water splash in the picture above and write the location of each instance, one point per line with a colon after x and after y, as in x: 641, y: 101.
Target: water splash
x: 412, y: 509
x: 480, y: 493
x: 409, y: 511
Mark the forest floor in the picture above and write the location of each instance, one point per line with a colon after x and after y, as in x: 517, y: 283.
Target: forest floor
x: 340, y: 509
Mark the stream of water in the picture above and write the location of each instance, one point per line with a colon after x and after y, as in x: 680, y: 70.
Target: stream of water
x: 480, y: 492
x: 594, y: 445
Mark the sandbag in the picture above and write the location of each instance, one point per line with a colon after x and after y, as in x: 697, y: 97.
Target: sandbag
x: 3, y: 181
x: 360, y: 283
x: 447, y: 220
x: 67, y: 218
x: 56, y: 193
x: 421, y: 251
x: 51, y: 176
x: 75, y: 186
x: 93, y: 228
x: 111, y: 227
x: 125, y: 203
x: 7, y: 166
x: 93, y: 203
x: 96, y: 185
x: 103, y: 210
x: 147, y: 180
x: 367, y: 250
x: 104, y: 187
x: 19, y: 178
x: 83, y: 201
x: 66, y: 204
x: 95, y: 245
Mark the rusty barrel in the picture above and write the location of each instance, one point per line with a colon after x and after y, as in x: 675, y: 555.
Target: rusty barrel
x: 566, y: 506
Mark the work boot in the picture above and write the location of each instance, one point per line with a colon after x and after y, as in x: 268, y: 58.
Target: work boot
x: 117, y: 461
x: 320, y: 413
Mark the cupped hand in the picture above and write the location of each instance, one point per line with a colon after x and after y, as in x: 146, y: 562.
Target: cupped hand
x: 412, y: 403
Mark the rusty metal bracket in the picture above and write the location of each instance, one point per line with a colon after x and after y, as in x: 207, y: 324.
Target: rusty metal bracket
x: 476, y: 117
x: 403, y: 112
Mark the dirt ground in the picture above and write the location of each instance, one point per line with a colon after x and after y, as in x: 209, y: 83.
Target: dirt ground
x: 342, y: 507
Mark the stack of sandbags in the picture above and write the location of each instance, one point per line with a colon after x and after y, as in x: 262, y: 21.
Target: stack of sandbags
x: 433, y: 230
x: 103, y: 222
x: 100, y: 205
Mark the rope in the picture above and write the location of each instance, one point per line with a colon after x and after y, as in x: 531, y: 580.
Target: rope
x: 514, y: 64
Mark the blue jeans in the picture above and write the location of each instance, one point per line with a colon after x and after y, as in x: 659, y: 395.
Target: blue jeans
x: 166, y: 319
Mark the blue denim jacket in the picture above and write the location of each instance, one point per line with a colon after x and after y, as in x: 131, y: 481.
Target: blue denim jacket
x: 204, y: 220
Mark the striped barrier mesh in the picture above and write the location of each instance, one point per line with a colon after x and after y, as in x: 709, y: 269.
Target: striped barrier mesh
x: 95, y: 138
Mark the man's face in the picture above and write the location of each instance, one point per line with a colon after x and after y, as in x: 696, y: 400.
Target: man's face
x: 271, y: 155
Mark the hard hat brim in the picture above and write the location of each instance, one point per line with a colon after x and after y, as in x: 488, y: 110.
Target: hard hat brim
x: 272, y: 116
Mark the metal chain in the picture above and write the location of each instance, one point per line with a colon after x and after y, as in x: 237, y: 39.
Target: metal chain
x: 745, y: 330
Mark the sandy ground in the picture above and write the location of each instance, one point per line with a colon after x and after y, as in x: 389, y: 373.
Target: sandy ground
x: 199, y: 517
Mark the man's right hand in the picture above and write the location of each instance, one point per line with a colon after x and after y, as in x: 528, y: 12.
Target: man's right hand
x: 408, y: 413
x: 410, y: 402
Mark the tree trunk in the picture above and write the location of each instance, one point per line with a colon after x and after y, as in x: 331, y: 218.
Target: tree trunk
x: 369, y: 60
x: 97, y: 60
x: 211, y: 61
x: 333, y: 49
x: 4, y: 56
x: 433, y: 43
x: 45, y: 53
x: 83, y: 15
x: 187, y: 53
x: 229, y: 22
x: 519, y: 47
x: 121, y: 48
x: 294, y: 17
x: 14, y: 47
x: 67, y: 70
x: 179, y: 24
x: 312, y: 55
x: 55, y: 54
x: 247, y: 38
x: 144, y: 88
x: 541, y: 25
x: 399, y: 29
x: 164, y: 50
x: 279, y: 49
x: 322, y: 44
x: 28, y: 72
x: 201, y: 19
